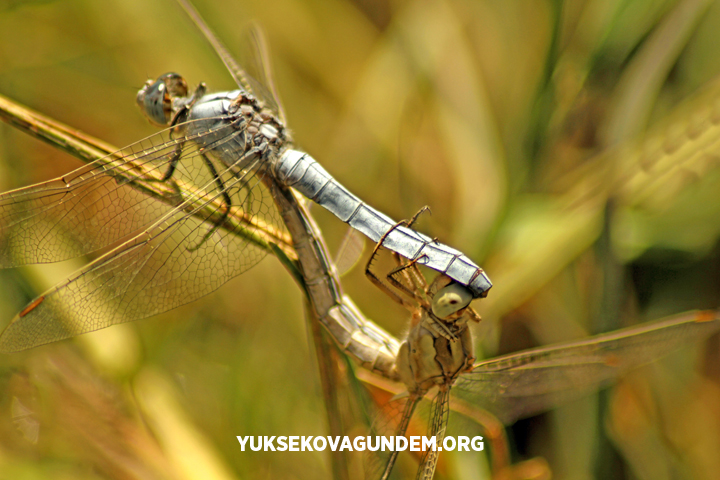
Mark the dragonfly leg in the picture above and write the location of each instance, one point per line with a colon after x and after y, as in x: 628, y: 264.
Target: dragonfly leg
x: 219, y: 184
x: 222, y: 188
x: 415, y: 217
x: 184, y: 111
x: 440, y: 328
x: 474, y: 316
x: 467, y: 345
x: 408, y: 270
x: 227, y: 201
x: 412, y: 276
x: 382, y: 285
x: 174, y: 159
x: 179, y: 118
x: 387, y: 288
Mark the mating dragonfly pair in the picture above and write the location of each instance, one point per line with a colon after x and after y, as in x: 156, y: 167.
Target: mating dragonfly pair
x: 229, y: 147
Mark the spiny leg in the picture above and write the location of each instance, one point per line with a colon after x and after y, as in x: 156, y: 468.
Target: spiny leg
x: 412, y: 276
x: 220, y: 185
x: 182, y: 114
x: 379, y: 283
x: 414, y: 218
x: 414, y: 280
x: 180, y: 117
x: 408, y: 270
x: 227, y: 205
x: 411, y: 270
x: 474, y: 316
x: 397, y: 284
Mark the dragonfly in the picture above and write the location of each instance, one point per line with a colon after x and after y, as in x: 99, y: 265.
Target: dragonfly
x: 216, y: 165
x: 303, y: 253
x: 247, y: 132
x: 437, y: 358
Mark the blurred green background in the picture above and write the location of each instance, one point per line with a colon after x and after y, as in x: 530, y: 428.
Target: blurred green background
x: 568, y: 147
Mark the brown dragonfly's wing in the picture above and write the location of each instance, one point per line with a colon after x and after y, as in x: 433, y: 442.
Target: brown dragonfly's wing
x: 531, y: 382
x: 263, y: 90
x: 181, y: 256
x: 439, y: 415
x: 391, y: 421
x: 350, y: 251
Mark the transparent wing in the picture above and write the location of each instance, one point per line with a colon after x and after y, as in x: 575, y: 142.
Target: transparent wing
x: 233, y: 66
x: 392, y: 420
x: 108, y: 200
x: 266, y: 92
x: 346, y: 401
x: 181, y: 256
x: 263, y: 80
x: 350, y: 251
x: 439, y: 415
x: 86, y: 209
x: 531, y: 382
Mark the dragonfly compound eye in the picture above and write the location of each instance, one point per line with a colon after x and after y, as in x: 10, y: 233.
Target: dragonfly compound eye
x: 450, y: 299
x: 158, y: 99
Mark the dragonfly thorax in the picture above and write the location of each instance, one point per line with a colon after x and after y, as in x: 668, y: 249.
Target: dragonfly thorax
x: 234, y: 125
x: 262, y: 126
x: 427, y: 358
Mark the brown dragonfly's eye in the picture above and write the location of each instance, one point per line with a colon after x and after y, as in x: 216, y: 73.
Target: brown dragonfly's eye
x: 450, y: 299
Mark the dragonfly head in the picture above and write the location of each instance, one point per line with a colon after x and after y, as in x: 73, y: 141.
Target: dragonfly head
x: 450, y: 299
x: 161, y: 99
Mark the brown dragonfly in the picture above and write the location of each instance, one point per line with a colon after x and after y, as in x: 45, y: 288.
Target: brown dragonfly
x: 437, y: 357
